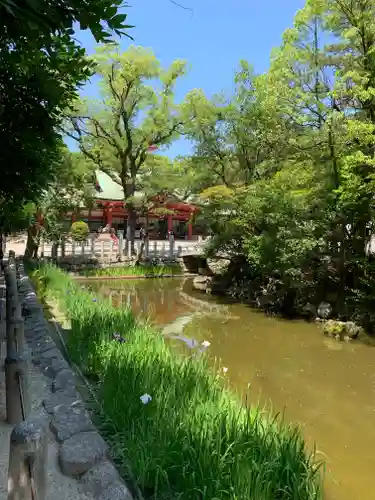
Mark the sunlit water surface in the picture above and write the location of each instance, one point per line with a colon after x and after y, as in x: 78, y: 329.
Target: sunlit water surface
x: 325, y: 386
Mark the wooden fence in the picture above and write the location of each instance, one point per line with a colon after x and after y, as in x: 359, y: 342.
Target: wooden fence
x: 114, y: 250
x: 27, y: 472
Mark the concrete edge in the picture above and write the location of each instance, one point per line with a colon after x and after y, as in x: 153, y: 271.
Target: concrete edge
x: 83, y: 453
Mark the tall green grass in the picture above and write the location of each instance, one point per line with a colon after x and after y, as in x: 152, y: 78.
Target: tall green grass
x: 193, y: 440
x: 142, y: 271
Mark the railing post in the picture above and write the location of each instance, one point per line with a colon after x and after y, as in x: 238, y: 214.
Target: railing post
x: 147, y: 247
x: 17, y: 398
x: 120, y: 246
x: 171, y: 246
x: 16, y: 334
x: 111, y: 245
x: 92, y: 247
x: 28, y: 455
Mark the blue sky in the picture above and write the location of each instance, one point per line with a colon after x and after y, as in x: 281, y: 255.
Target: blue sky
x: 213, y: 36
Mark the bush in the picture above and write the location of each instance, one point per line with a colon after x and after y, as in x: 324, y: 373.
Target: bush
x: 79, y: 231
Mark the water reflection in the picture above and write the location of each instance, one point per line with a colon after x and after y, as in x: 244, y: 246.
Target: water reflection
x: 327, y: 387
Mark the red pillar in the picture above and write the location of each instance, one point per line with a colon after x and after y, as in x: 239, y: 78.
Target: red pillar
x: 73, y: 217
x: 190, y: 230
x: 109, y: 216
x: 170, y: 222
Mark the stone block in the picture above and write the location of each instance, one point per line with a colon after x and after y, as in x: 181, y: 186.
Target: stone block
x: 116, y: 491
x: 60, y: 398
x: 100, y: 477
x: 64, y: 379
x: 55, y: 367
x: 70, y: 420
x: 81, y: 452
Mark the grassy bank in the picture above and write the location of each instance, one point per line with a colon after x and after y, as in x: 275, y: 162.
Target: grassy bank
x: 140, y: 271
x: 192, y: 440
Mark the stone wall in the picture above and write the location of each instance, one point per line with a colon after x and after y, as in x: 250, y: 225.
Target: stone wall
x: 83, y: 454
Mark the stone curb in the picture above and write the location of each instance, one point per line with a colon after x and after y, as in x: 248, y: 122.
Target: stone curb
x: 83, y: 453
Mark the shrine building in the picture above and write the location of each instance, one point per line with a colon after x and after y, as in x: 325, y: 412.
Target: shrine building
x: 166, y: 213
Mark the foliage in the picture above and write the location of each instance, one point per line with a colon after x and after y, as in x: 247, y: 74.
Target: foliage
x: 193, y: 439
x: 70, y: 189
x: 79, y: 231
x: 116, y: 133
x: 290, y: 157
x: 41, y: 68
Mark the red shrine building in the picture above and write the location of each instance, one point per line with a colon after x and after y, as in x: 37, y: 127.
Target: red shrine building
x: 167, y: 213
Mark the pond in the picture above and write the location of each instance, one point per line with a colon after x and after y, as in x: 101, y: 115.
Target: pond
x: 325, y: 386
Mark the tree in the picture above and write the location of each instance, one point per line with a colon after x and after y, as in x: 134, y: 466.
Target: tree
x: 290, y: 157
x: 71, y: 189
x: 41, y: 67
x: 117, y: 132
x: 30, y: 20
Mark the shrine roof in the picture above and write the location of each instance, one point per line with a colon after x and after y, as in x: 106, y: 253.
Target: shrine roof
x: 109, y: 190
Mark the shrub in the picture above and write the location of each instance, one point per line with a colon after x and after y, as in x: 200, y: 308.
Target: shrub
x: 79, y: 231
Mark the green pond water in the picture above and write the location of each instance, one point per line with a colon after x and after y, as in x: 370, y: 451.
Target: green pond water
x: 325, y: 386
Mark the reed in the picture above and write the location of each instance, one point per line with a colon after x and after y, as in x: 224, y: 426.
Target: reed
x: 141, y: 271
x: 193, y: 439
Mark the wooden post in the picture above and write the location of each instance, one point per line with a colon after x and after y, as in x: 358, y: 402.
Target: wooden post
x: 15, y: 335
x: 92, y: 247
x: 147, y: 247
x: 17, y: 398
x: 28, y: 455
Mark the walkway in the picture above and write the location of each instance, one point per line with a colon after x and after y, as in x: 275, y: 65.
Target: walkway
x: 60, y: 487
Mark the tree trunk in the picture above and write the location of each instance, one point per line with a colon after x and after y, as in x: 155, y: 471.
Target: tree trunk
x: 32, y: 244
x: 129, y: 190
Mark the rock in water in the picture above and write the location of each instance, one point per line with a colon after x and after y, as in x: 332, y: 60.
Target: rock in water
x: 324, y: 310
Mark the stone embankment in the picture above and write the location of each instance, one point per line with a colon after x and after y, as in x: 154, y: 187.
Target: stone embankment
x: 82, y: 452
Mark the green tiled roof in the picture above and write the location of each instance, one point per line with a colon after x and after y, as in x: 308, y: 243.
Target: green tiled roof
x: 109, y: 189
x: 112, y: 191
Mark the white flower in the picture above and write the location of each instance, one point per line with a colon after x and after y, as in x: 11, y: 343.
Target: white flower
x: 205, y: 343
x: 225, y: 369
x: 146, y: 398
